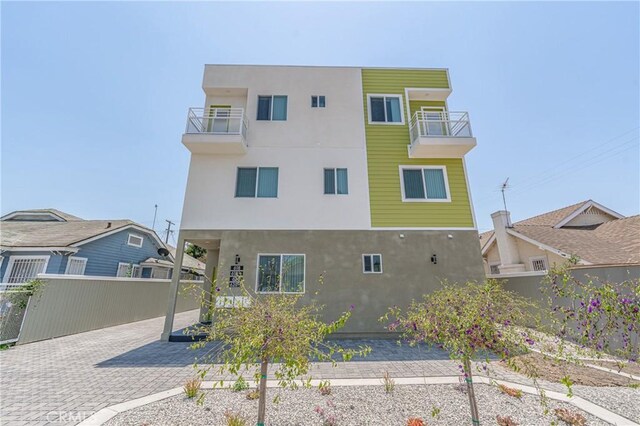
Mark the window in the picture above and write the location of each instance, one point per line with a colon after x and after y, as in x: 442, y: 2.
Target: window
x: 318, y: 102
x: 280, y: 273
x: 261, y: 182
x: 336, y: 181
x: 385, y: 109
x: 272, y: 108
x: 135, y: 240
x: 372, y: 263
x: 425, y: 184
x: 22, y: 269
x: 76, y: 265
x: 494, y: 268
x: 538, y: 263
x: 128, y: 270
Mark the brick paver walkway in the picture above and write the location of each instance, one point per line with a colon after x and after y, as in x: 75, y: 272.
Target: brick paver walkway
x: 64, y: 380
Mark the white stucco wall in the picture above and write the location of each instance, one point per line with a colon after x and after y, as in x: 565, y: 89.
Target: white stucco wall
x: 310, y: 140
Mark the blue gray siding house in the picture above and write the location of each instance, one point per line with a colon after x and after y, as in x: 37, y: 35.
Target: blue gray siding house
x: 53, y: 242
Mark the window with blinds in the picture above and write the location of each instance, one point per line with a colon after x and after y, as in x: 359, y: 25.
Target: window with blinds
x: 272, y: 108
x: 280, y: 273
x: 260, y: 182
x: 25, y: 268
x: 336, y: 181
x: 385, y: 109
x: 425, y: 184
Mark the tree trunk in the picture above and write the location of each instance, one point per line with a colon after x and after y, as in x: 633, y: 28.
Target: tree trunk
x: 263, y: 391
x: 475, y: 417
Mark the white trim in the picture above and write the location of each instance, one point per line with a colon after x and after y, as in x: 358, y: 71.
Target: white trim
x: 122, y: 228
x: 129, y: 243
x: 384, y: 96
x: 255, y: 190
x: 335, y: 180
x: 544, y: 261
x: 544, y: 246
x: 489, y: 243
x: 518, y: 274
x: 8, y: 216
x: 84, y: 265
x: 19, y: 249
x: 584, y: 207
x: 118, y: 269
x: 108, y: 278
x: 372, y: 271
x: 12, y: 259
x: 425, y: 200
x: 304, y: 269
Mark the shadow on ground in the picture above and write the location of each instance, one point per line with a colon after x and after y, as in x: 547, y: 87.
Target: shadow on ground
x: 179, y: 354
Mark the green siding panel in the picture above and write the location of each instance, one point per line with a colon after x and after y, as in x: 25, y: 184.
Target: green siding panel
x: 387, y: 150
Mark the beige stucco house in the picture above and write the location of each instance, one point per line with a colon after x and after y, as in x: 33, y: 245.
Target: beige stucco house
x: 591, y: 232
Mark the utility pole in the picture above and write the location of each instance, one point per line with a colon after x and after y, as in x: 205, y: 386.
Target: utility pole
x: 169, y: 223
x: 504, y: 200
x: 155, y: 213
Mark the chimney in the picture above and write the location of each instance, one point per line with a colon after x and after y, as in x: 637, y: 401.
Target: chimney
x: 507, y: 245
x: 108, y: 225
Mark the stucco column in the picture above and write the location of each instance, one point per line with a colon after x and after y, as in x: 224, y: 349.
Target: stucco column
x: 210, y: 272
x: 173, y: 290
x: 507, y: 246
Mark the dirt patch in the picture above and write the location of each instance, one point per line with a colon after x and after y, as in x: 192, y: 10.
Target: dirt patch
x: 553, y: 371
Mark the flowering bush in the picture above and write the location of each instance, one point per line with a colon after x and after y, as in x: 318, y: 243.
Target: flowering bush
x: 466, y: 321
x: 328, y: 415
x: 600, y: 316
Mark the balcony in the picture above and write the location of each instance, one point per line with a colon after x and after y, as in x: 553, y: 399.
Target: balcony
x: 216, y: 131
x: 440, y: 134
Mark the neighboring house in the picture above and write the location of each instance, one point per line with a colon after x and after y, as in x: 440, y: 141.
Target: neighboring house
x: 54, y: 242
x: 588, y: 231
x: 163, y: 268
x: 353, y: 174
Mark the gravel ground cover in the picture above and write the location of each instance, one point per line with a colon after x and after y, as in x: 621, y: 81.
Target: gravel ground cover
x: 624, y: 401
x: 354, y: 406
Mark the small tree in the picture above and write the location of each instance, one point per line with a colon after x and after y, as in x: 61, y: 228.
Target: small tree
x: 468, y: 320
x: 598, y: 317
x: 273, y: 328
x: 196, y: 252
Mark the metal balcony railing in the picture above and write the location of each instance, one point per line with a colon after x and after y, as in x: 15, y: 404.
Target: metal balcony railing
x: 217, y: 121
x: 440, y: 124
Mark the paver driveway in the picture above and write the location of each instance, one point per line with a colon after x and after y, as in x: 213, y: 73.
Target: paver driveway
x: 64, y: 380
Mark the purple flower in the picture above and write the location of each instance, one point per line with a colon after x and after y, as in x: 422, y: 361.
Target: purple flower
x: 217, y: 288
x: 352, y: 307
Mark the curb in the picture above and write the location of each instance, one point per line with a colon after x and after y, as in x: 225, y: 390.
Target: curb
x: 106, y: 414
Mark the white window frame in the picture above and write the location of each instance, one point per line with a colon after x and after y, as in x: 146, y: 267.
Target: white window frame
x: 371, y: 255
x: 271, y: 107
x: 127, y: 264
x: 129, y: 243
x: 135, y: 267
x: 385, y: 95
x: 335, y: 180
x: 84, y: 264
x: 318, y: 101
x: 494, y: 263
x: 537, y: 258
x: 425, y: 200
x: 304, y: 269
x: 12, y: 259
x: 255, y: 191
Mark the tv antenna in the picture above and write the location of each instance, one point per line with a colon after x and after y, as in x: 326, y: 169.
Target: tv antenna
x: 503, y: 188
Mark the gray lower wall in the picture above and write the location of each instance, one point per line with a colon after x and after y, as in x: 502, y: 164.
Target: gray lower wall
x: 68, y: 305
x: 337, y: 256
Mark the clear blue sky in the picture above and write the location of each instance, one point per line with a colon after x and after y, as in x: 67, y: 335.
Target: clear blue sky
x: 94, y: 95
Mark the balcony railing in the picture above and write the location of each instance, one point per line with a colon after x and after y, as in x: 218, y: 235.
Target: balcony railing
x: 217, y: 121
x: 440, y: 134
x: 440, y: 124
